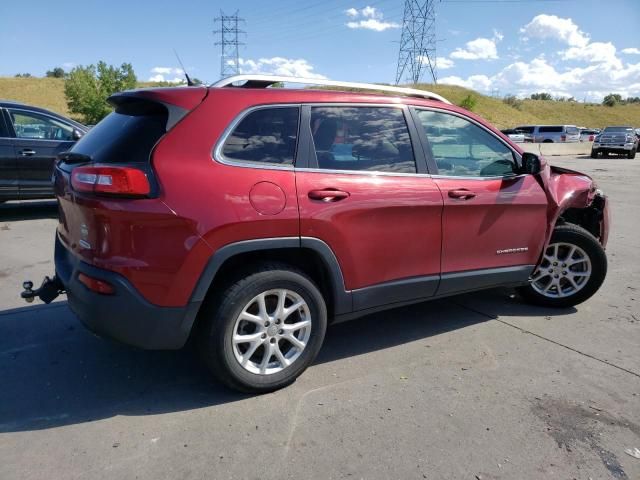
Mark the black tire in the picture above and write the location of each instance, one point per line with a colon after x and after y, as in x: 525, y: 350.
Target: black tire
x: 218, y: 319
x: 574, y: 235
x: 548, y: 140
x: 594, y: 153
x: 632, y: 154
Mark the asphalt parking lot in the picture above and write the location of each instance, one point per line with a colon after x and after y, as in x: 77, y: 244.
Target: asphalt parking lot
x: 479, y: 386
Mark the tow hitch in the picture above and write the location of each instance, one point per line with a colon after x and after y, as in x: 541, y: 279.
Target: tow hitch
x: 48, y: 291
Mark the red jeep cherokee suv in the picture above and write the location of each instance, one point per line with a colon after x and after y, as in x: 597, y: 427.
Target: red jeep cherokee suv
x: 249, y: 217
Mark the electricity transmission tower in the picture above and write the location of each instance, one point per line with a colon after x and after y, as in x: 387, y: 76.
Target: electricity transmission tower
x: 417, y: 42
x: 229, y: 32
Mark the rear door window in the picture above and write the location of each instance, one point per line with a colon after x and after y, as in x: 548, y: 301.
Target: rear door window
x: 125, y: 136
x: 374, y: 139
x: 551, y: 129
x: 266, y: 135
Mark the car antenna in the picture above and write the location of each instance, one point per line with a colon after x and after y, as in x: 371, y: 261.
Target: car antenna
x: 189, y: 82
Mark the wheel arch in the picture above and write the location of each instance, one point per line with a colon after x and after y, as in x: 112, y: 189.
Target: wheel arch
x: 311, y: 255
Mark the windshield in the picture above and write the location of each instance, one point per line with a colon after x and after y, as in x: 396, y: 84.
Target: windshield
x: 618, y: 130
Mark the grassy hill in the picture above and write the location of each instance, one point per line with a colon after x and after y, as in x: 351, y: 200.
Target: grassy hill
x: 49, y: 93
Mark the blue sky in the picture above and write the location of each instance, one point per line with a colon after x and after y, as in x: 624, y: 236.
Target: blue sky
x: 583, y: 48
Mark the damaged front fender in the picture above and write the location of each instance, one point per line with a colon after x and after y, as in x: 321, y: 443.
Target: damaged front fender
x: 574, y: 198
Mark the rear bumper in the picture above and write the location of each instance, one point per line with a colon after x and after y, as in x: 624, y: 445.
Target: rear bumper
x: 124, y: 316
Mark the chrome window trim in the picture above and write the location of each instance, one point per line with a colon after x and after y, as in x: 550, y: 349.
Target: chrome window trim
x: 217, y: 155
x: 517, y: 156
x: 370, y: 173
x: 33, y: 112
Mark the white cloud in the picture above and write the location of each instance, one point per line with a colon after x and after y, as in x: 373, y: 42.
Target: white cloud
x: 352, y: 12
x: 551, y: 26
x: 631, y: 51
x: 369, y: 18
x: 523, y: 78
x: 478, y: 49
x: 69, y: 65
x: 279, y: 66
x: 596, y: 52
x: 444, y: 63
x: 481, y: 83
x: 167, y: 74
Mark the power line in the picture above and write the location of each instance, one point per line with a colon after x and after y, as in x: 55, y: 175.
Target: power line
x: 229, y: 32
x: 417, y: 41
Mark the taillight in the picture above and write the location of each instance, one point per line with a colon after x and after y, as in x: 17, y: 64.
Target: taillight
x: 563, y: 138
x: 124, y: 181
x: 591, y: 137
x: 98, y: 286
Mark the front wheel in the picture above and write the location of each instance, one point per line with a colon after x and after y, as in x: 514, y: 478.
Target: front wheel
x: 594, y: 153
x: 261, y: 332
x: 572, y: 269
x: 632, y: 154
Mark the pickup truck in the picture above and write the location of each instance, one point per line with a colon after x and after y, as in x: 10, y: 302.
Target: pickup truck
x: 618, y: 140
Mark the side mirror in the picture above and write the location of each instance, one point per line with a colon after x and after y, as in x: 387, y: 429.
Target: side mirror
x: 531, y: 163
x: 77, y: 134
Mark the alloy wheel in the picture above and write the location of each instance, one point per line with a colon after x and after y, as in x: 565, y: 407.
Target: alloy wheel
x: 565, y: 269
x: 271, y: 331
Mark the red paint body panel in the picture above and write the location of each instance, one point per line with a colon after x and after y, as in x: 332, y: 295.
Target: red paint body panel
x: 388, y: 228
x: 504, y: 214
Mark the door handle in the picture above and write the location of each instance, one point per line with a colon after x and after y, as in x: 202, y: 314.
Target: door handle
x: 462, y: 194
x: 27, y: 152
x: 328, y: 195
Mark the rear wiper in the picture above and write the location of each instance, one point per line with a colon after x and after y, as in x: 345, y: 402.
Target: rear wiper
x: 73, y: 157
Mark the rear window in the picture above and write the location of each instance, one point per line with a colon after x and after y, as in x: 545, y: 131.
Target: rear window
x: 552, y: 129
x: 573, y: 130
x: 125, y: 136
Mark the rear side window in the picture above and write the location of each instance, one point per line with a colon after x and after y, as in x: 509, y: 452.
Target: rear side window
x: 362, y: 138
x: 267, y: 135
x: 125, y: 136
x: 552, y: 129
x: 525, y: 129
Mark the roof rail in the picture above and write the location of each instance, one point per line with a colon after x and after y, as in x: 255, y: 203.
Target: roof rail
x: 264, y: 81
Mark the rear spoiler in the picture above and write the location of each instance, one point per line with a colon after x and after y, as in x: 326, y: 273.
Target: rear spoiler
x: 176, y: 101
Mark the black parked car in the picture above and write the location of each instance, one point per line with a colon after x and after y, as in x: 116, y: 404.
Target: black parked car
x: 30, y: 140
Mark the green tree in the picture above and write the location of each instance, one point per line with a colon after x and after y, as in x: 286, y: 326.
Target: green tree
x: 469, y: 102
x: 23, y: 75
x: 57, y: 72
x: 87, y: 89
x: 541, y: 96
x: 612, y: 100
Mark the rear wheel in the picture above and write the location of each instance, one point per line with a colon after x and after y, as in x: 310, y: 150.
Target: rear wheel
x: 261, y: 332
x: 572, y: 269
